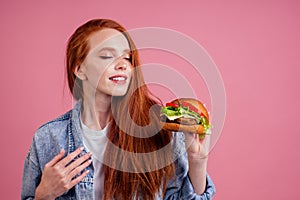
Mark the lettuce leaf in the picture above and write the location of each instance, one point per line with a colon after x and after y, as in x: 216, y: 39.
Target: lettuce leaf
x: 172, y: 112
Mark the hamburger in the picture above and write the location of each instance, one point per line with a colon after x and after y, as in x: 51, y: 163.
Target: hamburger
x: 186, y: 115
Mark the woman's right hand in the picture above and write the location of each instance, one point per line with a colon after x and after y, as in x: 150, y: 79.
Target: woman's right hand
x: 59, y: 173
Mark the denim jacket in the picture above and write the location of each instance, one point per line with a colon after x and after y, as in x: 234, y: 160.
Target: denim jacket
x: 65, y: 133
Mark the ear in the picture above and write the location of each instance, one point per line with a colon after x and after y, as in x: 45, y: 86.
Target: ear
x: 79, y: 73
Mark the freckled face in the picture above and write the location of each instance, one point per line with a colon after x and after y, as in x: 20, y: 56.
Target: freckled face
x: 106, y: 69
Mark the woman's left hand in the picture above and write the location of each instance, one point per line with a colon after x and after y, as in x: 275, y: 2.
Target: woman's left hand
x: 197, y: 148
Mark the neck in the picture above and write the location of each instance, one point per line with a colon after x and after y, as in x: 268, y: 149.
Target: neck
x: 96, y: 111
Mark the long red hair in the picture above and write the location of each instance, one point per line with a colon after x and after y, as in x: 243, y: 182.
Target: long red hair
x: 134, y: 129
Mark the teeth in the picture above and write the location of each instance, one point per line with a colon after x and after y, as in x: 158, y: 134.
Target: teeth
x: 118, y: 79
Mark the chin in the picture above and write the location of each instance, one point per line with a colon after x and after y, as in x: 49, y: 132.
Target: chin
x: 119, y: 93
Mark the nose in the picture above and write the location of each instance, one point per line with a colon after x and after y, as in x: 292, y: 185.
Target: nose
x: 122, y: 64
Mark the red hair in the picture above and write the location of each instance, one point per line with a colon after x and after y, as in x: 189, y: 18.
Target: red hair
x: 134, y: 126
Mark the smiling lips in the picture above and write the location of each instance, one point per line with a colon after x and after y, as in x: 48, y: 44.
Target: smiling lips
x: 119, y: 79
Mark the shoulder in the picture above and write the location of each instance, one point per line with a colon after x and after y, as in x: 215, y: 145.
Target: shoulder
x: 54, y: 127
x: 61, y: 119
x: 179, y: 150
x: 178, y: 141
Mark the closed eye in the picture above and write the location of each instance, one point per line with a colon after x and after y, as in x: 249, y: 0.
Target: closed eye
x: 105, y: 57
x: 128, y: 58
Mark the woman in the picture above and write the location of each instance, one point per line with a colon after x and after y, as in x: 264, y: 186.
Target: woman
x: 110, y: 145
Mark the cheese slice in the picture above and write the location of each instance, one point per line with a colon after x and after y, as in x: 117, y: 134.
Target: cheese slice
x: 171, y: 118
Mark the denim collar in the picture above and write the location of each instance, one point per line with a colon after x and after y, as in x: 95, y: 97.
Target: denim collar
x: 74, y: 128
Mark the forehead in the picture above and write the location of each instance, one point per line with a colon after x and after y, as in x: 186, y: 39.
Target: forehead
x: 108, y: 38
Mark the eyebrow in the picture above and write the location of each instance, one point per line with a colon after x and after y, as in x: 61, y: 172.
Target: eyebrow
x: 113, y: 49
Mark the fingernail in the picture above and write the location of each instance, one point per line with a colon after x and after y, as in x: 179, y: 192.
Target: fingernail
x: 81, y: 148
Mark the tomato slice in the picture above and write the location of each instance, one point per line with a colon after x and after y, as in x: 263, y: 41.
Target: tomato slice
x: 172, y: 105
x: 190, y: 106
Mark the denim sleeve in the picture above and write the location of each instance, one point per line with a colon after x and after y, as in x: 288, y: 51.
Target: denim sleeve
x: 180, y: 187
x: 31, y: 174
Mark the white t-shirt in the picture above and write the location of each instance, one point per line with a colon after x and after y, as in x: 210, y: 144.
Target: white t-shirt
x: 95, y: 141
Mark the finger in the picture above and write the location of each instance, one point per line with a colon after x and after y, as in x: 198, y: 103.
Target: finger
x: 71, y: 156
x: 56, y: 159
x: 205, y: 140
x: 79, y: 169
x: 189, y: 138
x: 79, y: 178
x: 205, y: 146
x: 78, y: 162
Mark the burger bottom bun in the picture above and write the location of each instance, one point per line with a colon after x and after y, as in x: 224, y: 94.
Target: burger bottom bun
x: 197, y: 129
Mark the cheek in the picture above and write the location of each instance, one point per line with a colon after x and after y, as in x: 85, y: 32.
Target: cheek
x: 101, y: 76
x: 97, y: 72
x: 131, y: 71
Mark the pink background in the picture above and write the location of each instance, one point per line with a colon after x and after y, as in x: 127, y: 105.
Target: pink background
x: 255, y: 45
